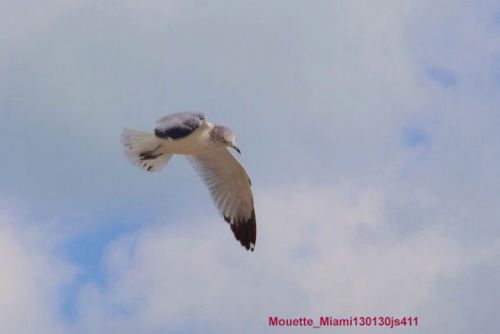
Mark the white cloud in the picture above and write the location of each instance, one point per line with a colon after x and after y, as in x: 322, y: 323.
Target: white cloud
x: 73, y: 86
x: 351, y: 76
x: 32, y: 279
x: 19, y: 20
x: 320, y: 251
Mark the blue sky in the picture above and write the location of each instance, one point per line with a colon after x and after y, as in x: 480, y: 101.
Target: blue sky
x: 370, y: 131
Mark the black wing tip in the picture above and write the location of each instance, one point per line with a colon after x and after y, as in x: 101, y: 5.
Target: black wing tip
x: 245, y: 231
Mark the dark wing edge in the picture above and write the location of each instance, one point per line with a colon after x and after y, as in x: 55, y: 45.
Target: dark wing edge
x: 178, y: 125
x: 226, y: 194
x: 245, y: 231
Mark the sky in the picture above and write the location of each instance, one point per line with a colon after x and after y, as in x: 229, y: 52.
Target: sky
x: 369, y: 129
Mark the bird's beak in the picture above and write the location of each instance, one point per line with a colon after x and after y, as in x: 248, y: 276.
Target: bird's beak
x: 236, y: 148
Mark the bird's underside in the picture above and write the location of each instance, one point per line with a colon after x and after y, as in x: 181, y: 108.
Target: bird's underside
x: 226, y: 178
x: 229, y: 187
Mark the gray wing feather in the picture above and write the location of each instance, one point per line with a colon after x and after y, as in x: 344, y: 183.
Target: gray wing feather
x: 229, y: 186
x: 178, y: 125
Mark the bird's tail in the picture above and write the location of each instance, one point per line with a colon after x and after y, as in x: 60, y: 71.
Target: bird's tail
x: 144, y: 150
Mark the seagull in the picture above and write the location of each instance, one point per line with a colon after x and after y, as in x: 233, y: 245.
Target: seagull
x: 205, y: 145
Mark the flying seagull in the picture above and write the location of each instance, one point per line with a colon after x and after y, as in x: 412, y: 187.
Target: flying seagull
x: 205, y: 146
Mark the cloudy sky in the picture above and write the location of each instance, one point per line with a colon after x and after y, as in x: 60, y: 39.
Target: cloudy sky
x: 369, y: 128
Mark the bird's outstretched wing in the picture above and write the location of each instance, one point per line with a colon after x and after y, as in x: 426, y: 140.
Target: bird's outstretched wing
x: 229, y: 186
x: 178, y: 125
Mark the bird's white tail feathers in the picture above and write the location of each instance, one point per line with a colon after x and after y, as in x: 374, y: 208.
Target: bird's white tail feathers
x: 144, y: 150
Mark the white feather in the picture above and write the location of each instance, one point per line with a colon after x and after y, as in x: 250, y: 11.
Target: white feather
x: 227, y: 181
x: 137, y: 145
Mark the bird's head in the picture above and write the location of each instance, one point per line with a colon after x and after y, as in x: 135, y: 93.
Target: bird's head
x: 224, y: 136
